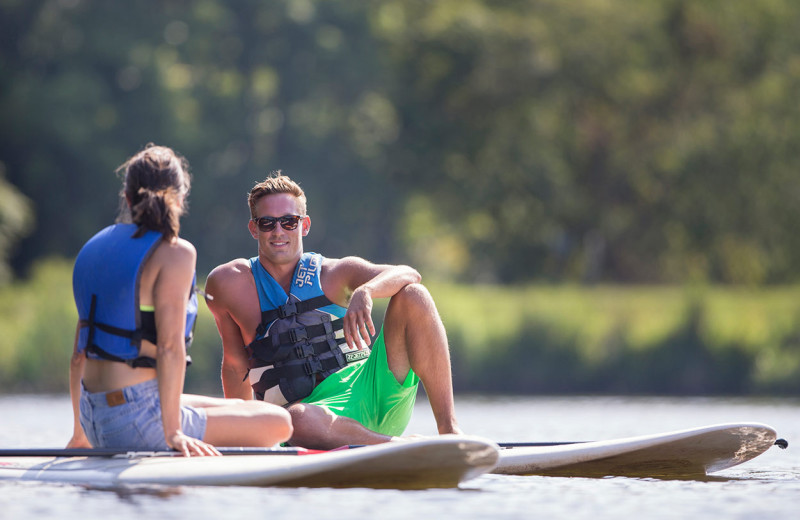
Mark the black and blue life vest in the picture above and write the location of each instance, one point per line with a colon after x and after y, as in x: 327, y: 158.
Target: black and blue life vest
x: 299, y: 341
x: 105, y: 283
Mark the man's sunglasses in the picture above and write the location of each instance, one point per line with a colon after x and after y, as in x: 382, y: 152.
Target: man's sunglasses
x: 288, y: 222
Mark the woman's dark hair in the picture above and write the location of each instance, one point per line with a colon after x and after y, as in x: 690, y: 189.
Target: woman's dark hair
x: 154, y: 190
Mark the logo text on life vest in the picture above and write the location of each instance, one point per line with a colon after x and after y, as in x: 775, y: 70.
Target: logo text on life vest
x: 306, y: 273
x: 358, y: 355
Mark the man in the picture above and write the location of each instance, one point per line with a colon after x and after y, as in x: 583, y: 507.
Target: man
x: 296, y: 329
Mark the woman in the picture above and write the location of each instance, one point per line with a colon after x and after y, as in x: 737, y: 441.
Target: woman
x: 134, y: 289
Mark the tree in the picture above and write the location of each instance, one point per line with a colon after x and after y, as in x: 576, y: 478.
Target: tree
x: 479, y: 140
x: 16, y: 220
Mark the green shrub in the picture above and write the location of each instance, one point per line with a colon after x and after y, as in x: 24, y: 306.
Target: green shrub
x: 521, y: 340
x: 37, y: 327
x: 623, y: 340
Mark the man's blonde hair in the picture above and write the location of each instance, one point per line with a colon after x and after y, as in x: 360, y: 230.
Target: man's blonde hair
x: 276, y: 182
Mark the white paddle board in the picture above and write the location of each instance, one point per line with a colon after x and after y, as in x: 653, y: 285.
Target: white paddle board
x: 437, y: 462
x: 688, y: 453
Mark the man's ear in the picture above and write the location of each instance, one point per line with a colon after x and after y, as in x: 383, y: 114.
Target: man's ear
x: 306, y: 225
x: 253, y: 227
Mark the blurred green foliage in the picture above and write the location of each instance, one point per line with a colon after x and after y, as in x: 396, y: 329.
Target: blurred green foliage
x: 37, y: 329
x: 514, y: 143
x: 479, y: 140
x: 533, y: 339
x: 623, y: 340
x: 16, y: 219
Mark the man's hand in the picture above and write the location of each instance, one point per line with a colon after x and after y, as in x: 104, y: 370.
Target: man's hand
x: 358, y: 327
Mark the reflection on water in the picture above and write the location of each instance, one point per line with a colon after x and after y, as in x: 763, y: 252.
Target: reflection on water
x: 767, y: 486
x: 128, y: 492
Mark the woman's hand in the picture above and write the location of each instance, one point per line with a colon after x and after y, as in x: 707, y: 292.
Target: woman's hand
x: 189, y: 446
x: 79, y: 441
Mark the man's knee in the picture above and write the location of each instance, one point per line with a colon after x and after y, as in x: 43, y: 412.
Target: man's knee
x: 413, y: 297
x: 297, y: 412
x: 303, y: 414
x: 310, y: 424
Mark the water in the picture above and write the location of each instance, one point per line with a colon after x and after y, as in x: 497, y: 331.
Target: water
x: 766, y: 487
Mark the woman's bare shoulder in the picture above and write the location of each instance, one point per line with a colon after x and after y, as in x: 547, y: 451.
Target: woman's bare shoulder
x: 178, y: 251
x: 184, y: 247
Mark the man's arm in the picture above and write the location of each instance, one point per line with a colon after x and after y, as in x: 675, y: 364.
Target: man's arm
x: 220, y: 286
x: 355, y: 283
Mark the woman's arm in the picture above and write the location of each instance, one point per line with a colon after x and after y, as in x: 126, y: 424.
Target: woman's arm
x: 76, y: 366
x: 176, y: 261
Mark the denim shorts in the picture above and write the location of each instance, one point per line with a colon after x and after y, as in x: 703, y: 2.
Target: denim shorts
x: 130, y: 418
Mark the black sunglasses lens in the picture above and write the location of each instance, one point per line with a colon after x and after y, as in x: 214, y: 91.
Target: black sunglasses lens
x: 266, y: 223
x: 289, y: 223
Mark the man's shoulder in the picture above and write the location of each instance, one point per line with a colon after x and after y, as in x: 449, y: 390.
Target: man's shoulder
x: 345, y: 262
x: 330, y: 264
x: 230, y: 271
x: 339, y: 272
x: 228, y: 283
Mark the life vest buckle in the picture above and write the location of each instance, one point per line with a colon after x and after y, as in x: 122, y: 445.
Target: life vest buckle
x: 312, y: 366
x: 303, y: 351
x: 298, y: 335
x: 289, y: 309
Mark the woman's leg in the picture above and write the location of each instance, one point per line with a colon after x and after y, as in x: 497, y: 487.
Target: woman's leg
x: 246, y: 423
x: 203, y: 401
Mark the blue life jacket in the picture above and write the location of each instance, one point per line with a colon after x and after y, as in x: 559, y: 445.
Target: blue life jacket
x: 299, y: 341
x: 105, y: 283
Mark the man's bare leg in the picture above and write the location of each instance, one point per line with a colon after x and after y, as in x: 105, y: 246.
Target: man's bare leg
x: 317, y: 428
x: 416, y: 340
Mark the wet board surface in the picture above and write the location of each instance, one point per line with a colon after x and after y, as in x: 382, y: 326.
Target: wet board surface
x: 438, y: 462
x: 690, y: 453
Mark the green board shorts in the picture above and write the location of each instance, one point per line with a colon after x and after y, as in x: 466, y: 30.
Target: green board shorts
x: 368, y: 392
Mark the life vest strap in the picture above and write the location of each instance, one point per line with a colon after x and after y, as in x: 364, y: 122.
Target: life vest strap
x: 134, y: 335
x: 301, y: 369
x: 264, y: 354
x: 138, y: 362
x: 277, y: 347
x: 290, y: 309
